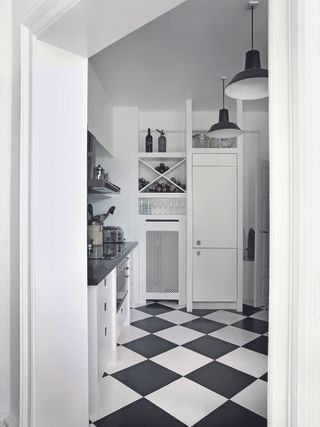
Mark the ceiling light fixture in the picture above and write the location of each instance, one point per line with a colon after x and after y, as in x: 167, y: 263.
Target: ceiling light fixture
x: 224, y: 128
x: 252, y: 83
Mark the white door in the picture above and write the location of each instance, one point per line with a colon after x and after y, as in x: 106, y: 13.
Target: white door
x: 215, y: 206
x: 261, y: 282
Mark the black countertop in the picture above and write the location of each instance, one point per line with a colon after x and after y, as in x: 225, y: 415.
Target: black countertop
x: 98, y: 269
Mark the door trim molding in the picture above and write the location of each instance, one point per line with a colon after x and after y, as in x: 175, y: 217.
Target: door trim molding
x: 37, y: 21
x: 47, y: 13
x: 294, y: 376
x: 26, y: 243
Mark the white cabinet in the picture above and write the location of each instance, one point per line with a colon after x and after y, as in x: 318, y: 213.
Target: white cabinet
x: 214, y: 275
x: 162, y: 258
x: 215, y: 229
x: 215, y: 206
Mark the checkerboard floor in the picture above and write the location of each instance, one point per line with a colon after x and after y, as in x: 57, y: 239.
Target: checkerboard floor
x: 206, y: 368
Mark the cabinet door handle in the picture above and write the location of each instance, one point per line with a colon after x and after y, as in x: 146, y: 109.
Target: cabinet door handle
x: 105, y: 331
x: 198, y: 253
x: 105, y: 306
x: 198, y: 242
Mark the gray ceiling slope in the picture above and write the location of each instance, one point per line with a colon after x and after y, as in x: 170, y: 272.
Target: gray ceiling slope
x: 181, y: 55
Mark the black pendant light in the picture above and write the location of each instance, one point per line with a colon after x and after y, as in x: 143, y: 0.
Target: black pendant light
x: 252, y: 83
x: 224, y: 128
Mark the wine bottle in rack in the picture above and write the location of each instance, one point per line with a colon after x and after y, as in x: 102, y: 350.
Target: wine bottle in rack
x: 149, y: 142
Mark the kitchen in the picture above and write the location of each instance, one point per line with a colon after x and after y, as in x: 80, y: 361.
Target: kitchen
x: 46, y: 48
x: 186, y: 263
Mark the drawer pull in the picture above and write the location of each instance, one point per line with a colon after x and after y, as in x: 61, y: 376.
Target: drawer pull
x: 105, y: 331
x: 105, y: 306
x: 198, y: 253
x: 198, y: 242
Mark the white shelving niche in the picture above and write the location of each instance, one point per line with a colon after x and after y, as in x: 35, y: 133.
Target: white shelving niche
x: 162, y: 213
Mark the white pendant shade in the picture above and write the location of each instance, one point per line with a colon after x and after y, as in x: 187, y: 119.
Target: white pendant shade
x: 248, y: 89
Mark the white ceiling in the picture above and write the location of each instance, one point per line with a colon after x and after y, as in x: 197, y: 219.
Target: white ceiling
x: 91, y: 25
x: 181, y: 55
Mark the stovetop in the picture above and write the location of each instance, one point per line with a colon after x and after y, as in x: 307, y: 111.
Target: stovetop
x: 107, y: 251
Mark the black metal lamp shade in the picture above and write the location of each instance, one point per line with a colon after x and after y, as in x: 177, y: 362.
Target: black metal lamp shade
x: 252, y: 83
x: 224, y: 128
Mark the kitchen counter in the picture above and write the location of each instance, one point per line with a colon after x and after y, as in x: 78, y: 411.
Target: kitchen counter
x: 98, y: 269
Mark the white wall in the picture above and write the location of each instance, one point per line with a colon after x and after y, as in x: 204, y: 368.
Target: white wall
x: 100, y: 112
x: 59, y: 236
x: 123, y: 170
x: 5, y: 137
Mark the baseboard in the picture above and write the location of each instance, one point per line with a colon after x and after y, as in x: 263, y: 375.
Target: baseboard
x: 248, y: 301
x: 10, y: 421
x: 215, y: 305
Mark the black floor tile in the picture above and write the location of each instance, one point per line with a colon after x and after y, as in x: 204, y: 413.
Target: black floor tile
x: 264, y: 377
x: 232, y: 415
x: 141, y: 413
x: 205, y: 326
x: 253, y: 325
x: 150, y: 345
x: 221, y: 379
x: 154, y: 309
x: 146, y: 377
x: 248, y: 310
x: 210, y: 347
x: 198, y: 311
x: 260, y: 345
x: 153, y: 324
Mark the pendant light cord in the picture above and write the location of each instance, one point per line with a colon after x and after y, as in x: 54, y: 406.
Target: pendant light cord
x: 223, y: 93
x: 251, y: 27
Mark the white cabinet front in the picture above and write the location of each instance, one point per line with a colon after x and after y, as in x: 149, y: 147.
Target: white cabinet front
x: 215, y: 275
x: 215, y: 206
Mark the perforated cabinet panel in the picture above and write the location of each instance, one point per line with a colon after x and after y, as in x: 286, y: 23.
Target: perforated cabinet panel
x: 162, y: 261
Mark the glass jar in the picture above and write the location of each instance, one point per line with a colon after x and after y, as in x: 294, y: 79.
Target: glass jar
x: 227, y: 142
x: 200, y: 140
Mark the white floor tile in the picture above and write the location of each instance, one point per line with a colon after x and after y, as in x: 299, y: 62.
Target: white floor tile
x: 186, y: 400
x: 113, y: 396
x: 261, y: 315
x: 234, y: 335
x: 136, y: 315
x: 179, y: 334
x: 130, y: 333
x: 181, y: 360
x: 245, y: 360
x: 254, y: 398
x: 177, y: 316
x: 126, y: 358
x: 224, y: 317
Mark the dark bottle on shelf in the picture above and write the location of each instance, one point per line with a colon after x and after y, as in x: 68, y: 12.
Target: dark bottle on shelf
x: 162, y: 142
x: 149, y: 142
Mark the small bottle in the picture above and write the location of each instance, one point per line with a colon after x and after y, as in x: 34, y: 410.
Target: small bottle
x: 149, y: 142
x: 162, y: 142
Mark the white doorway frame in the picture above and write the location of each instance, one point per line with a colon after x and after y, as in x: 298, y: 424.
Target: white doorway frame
x: 293, y: 26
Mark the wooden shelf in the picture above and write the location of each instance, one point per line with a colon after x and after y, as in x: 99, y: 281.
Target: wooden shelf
x: 231, y: 150
x: 161, y: 156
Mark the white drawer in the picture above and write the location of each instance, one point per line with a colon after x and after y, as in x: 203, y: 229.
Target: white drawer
x: 214, y: 159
